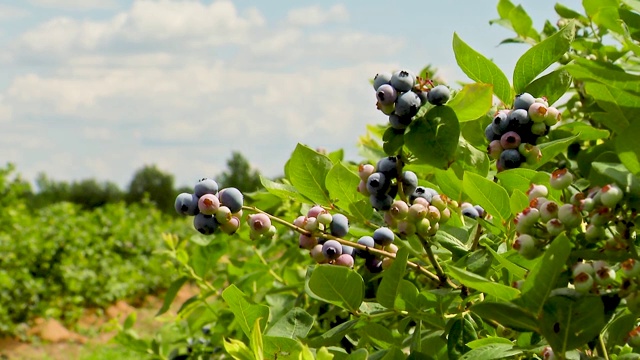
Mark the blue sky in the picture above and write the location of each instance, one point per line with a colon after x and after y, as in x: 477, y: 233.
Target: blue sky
x: 99, y: 88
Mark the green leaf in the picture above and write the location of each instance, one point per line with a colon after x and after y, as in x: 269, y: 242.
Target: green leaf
x: 379, y: 335
x: 451, y: 243
x: 621, y: 107
x: 552, y: 85
x: 628, y: 147
x: 238, y: 350
x: 491, y: 352
x: 245, y: 312
x: 449, y: 183
x: 541, y: 56
x: 308, y: 170
x: 294, y: 324
x: 407, y: 298
x: 256, y: 341
x: 516, y: 179
x: 393, y: 139
x: 484, y: 192
x: 283, y: 191
x: 337, y: 285
x: 472, y: 102
x: 334, y: 334
x: 342, y: 184
x: 472, y: 159
x: 336, y: 156
x: 130, y: 321
x: 460, y: 333
x: 433, y: 139
x: 521, y: 22
x: 506, y: 314
x: 611, y: 75
x: 480, y: 69
x: 618, y: 329
x: 475, y: 344
x: 567, y: 13
x: 514, y: 269
x: 518, y: 201
x: 360, y: 354
x: 172, y: 291
x: 482, y: 284
x: 571, y: 321
x: 388, y: 289
x: 584, y: 131
x: 552, y: 149
x: 544, y: 276
x: 282, y: 348
x: 504, y: 8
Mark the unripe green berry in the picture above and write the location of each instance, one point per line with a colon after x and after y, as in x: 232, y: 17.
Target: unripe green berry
x: 561, y: 179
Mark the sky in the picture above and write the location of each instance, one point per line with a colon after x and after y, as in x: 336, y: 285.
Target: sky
x: 100, y: 88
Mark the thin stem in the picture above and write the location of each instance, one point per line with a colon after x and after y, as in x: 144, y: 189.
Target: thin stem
x: 434, y: 262
x: 476, y: 238
x: 276, y: 276
x: 602, y: 349
x: 417, y: 267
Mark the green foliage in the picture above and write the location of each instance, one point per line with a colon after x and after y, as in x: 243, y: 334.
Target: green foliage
x: 60, y: 259
x: 154, y: 184
x: 239, y: 174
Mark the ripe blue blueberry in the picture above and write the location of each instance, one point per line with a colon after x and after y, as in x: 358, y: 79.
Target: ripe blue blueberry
x: 402, y: 80
x: 348, y: 250
x: 365, y: 241
x: 423, y: 192
x: 205, y: 224
x: 231, y: 198
x: 373, y: 264
x: 186, y: 204
x: 331, y: 249
x: 383, y: 236
x: 377, y: 184
x: 388, y: 166
x: 382, y: 202
x: 381, y: 79
x: 409, y: 182
x: 399, y: 122
x: 490, y: 134
x: 519, y: 116
x: 439, y: 95
x: 407, y: 104
x: 523, y: 101
x: 386, y: 94
x: 205, y: 186
x: 500, y: 121
x: 511, y: 158
x: 471, y: 212
x: 339, y: 225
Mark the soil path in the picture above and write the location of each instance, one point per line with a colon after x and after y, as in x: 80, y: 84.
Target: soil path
x: 53, y: 341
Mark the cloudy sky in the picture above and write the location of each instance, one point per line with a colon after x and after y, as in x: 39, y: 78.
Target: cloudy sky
x: 99, y: 88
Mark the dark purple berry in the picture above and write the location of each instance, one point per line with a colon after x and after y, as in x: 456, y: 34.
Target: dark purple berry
x: 511, y: 158
x: 439, y: 95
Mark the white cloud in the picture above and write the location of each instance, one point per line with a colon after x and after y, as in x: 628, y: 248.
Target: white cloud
x: 184, y: 25
x: 315, y: 15
x: 75, y: 4
x: 8, y: 12
x: 182, y: 84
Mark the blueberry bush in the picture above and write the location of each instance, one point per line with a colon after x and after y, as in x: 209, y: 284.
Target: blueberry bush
x: 497, y: 220
x: 60, y: 259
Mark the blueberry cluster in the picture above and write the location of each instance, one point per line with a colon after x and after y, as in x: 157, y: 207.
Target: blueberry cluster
x: 401, y: 94
x: 319, y: 222
x: 513, y: 133
x: 212, y: 209
x: 419, y: 210
x: 588, y: 214
x: 382, y: 239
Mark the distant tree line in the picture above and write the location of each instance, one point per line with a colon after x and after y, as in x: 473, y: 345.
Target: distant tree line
x: 147, y: 182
